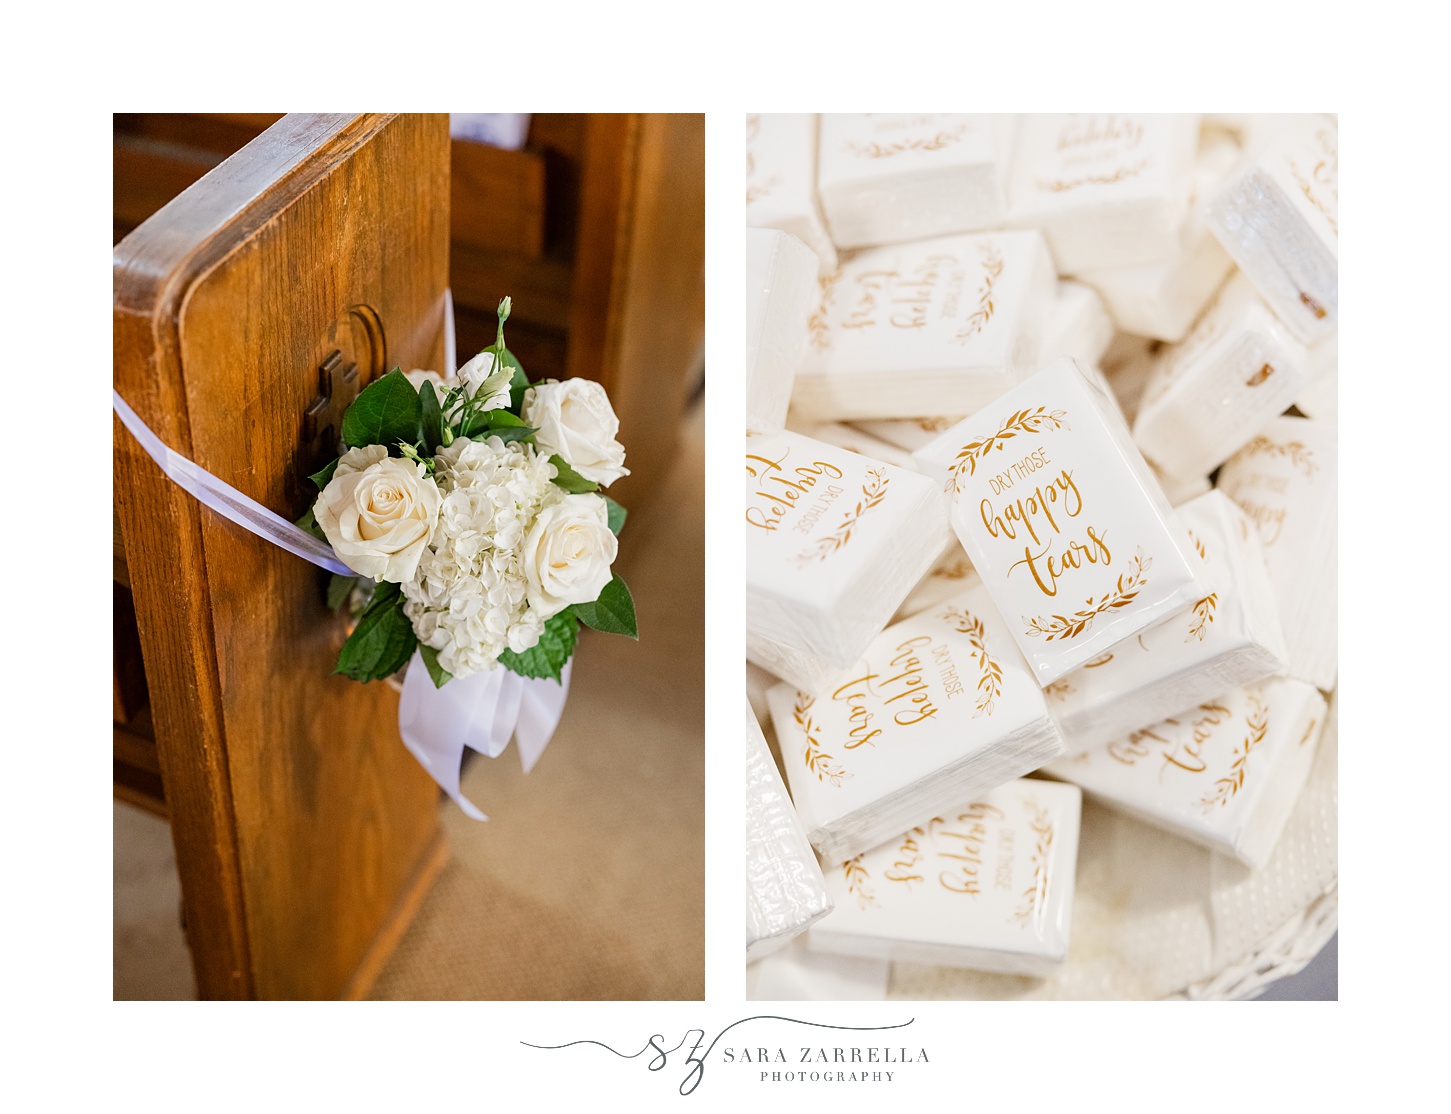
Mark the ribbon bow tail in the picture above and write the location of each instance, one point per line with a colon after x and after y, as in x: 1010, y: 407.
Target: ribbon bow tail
x: 481, y: 712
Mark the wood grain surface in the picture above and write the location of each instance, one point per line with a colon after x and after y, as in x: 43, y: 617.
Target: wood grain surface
x: 299, y: 819
x: 637, y: 313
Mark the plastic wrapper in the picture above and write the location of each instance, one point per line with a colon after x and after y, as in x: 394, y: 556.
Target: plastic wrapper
x: 1063, y: 520
x: 1287, y: 482
x: 928, y: 328
x: 939, y: 709
x: 1239, y: 368
x: 1106, y: 189
x: 834, y: 542
x: 1080, y: 327
x: 1277, y: 217
x: 1162, y: 300
x: 1224, y: 774
x: 985, y: 885
x: 889, y: 177
x: 1320, y: 397
x: 785, y: 892
x: 780, y: 295
x: 1229, y: 638
x: 781, y: 180
x: 796, y: 974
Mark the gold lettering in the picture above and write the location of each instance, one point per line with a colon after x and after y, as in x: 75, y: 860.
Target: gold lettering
x: 861, y: 730
x: 778, y: 490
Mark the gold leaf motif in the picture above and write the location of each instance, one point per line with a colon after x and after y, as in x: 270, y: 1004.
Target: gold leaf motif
x: 1022, y: 421
x: 1203, y: 615
x: 761, y: 189
x: 1296, y: 452
x: 1257, y: 722
x: 874, y: 490
x: 958, y: 570
x: 1324, y: 169
x: 1058, y: 185
x: 935, y: 425
x: 1334, y: 227
x: 1035, y: 896
x: 755, y: 192
x: 1265, y: 371
x: 1059, y: 689
x: 817, y: 760
x: 1124, y: 592
x: 934, y: 143
x: 990, y: 684
x: 818, y: 325
x: 857, y: 882
x: 992, y: 267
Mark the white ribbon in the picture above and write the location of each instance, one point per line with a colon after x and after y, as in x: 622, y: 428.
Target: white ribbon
x: 481, y: 711
x: 225, y: 499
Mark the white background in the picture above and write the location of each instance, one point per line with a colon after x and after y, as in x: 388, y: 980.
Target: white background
x: 67, y: 1043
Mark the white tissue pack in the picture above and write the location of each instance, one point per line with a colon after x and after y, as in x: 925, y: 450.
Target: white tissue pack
x: 940, y: 708
x: 785, y: 891
x: 986, y: 884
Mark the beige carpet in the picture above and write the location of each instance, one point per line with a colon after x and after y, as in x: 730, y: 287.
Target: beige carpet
x: 587, y: 882
x: 149, y: 958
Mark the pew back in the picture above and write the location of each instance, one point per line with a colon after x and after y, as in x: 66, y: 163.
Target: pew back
x: 248, y: 312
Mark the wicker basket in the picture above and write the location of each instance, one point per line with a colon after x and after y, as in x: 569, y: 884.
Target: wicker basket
x: 1283, y: 953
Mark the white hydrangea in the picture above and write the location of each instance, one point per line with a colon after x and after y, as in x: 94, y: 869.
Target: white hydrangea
x: 469, y: 598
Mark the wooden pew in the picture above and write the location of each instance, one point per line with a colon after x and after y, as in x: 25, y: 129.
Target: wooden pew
x: 248, y: 312
x: 596, y: 228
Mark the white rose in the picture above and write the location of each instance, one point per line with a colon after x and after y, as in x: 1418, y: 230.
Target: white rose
x: 418, y: 377
x: 358, y: 460
x: 567, y: 554
x: 380, y: 517
x: 575, y: 420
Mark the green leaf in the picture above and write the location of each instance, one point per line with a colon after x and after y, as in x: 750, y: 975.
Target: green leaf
x: 520, y: 380
x: 569, y: 479
x: 339, y: 588
x: 323, y: 478
x: 499, y: 418
x: 440, y: 675
x: 497, y: 422
x: 475, y: 425
x: 431, y: 418
x: 613, y: 612
x: 525, y: 433
x: 509, y: 427
x: 383, y: 640
x: 617, y: 515
x: 307, y: 521
x: 547, y: 657
x: 386, y: 412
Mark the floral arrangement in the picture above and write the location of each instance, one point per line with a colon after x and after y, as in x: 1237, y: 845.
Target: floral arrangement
x: 470, y: 509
